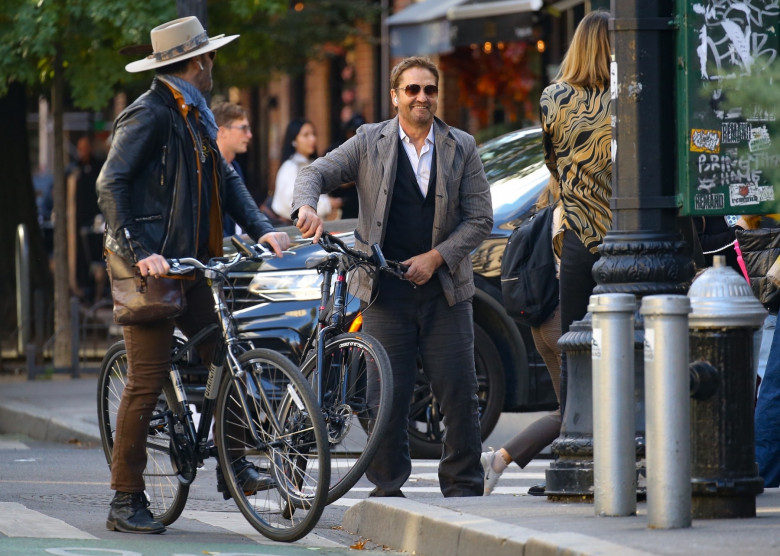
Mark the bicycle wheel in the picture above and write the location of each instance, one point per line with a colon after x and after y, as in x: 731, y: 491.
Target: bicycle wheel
x: 292, y: 453
x: 354, y: 429
x: 166, y: 494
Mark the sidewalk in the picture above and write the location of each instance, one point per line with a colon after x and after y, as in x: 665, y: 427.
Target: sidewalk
x: 63, y: 410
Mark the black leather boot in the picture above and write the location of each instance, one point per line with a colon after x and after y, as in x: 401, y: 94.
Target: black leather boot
x: 250, y: 478
x: 129, y: 514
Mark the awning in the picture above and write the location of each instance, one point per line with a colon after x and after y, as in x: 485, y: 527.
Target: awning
x: 438, y: 26
x: 421, y: 28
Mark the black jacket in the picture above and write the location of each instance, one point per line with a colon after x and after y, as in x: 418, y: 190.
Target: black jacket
x: 148, y: 187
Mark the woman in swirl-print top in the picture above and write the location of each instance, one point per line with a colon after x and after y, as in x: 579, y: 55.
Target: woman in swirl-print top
x: 575, y: 114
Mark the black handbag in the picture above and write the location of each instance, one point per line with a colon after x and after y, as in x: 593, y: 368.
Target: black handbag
x: 139, y: 300
x: 760, y: 249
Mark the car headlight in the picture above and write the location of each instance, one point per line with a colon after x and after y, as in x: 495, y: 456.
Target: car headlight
x: 287, y: 285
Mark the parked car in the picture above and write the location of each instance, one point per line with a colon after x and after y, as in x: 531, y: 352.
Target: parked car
x: 512, y: 377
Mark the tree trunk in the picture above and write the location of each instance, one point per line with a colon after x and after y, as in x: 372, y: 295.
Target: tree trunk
x: 18, y: 207
x: 62, y: 343
x: 259, y: 147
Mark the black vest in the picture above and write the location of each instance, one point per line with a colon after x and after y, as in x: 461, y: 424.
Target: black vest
x: 409, y: 228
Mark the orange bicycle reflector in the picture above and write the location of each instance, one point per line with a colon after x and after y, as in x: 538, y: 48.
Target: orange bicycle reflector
x: 357, y: 323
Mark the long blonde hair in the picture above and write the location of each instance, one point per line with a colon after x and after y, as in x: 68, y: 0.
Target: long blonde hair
x: 586, y: 63
x: 550, y: 195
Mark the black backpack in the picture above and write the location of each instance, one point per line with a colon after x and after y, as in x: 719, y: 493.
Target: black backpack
x: 528, y: 281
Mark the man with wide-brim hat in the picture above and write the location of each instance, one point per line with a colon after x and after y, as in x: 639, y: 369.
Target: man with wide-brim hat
x: 163, y: 190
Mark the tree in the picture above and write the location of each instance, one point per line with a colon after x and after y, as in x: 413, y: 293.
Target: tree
x: 281, y: 36
x: 46, y: 44
x: 18, y: 206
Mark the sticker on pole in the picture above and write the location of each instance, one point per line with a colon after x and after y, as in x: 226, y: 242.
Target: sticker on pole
x: 595, y: 344
x: 613, y: 82
x: 649, y: 344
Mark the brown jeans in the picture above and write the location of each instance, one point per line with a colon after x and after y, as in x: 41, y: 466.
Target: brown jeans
x: 148, y: 363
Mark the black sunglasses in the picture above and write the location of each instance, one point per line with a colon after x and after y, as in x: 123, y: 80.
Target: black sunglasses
x: 213, y: 54
x: 413, y: 89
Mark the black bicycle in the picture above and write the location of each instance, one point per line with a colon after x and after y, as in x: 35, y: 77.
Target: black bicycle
x: 349, y: 370
x: 265, y: 415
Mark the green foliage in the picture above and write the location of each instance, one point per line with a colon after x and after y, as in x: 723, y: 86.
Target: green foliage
x: 276, y: 37
x: 89, y: 33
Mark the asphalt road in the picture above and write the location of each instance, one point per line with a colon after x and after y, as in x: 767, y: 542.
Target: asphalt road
x: 54, y: 499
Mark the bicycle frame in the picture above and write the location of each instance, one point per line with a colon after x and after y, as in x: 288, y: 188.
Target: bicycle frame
x: 339, y: 261
x: 226, y: 350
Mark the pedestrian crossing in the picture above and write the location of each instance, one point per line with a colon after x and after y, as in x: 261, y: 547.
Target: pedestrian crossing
x: 18, y: 521
x: 235, y: 523
x: 515, y: 481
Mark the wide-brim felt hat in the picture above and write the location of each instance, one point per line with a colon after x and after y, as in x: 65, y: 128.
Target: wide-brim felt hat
x: 178, y: 40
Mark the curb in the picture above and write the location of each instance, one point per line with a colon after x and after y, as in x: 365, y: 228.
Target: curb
x: 41, y: 424
x: 426, y: 530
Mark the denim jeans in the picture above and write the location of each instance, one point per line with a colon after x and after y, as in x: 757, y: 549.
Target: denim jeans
x: 767, y: 418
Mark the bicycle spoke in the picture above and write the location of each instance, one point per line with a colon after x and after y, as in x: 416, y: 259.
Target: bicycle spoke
x: 292, y: 494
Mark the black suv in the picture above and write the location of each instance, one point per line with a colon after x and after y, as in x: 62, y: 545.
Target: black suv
x: 512, y: 377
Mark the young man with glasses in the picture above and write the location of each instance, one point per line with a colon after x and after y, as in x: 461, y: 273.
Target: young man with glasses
x: 233, y: 138
x: 423, y: 196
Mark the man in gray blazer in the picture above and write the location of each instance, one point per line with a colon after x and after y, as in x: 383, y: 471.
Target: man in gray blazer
x: 423, y: 196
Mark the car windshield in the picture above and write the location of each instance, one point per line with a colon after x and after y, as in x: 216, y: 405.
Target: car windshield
x: 514, y: 166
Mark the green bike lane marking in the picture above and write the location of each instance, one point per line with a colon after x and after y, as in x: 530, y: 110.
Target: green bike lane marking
x: 155, y: 546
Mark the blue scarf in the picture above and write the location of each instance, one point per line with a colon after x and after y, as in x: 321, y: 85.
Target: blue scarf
x: 194, y: 97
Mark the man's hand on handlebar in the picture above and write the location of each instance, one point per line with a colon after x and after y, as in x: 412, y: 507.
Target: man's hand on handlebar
x: 309, y: 223
x: 153, y: 265
x: 422, y: 267
x: 279, y: 241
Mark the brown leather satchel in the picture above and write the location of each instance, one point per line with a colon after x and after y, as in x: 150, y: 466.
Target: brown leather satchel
x: 138, y: 300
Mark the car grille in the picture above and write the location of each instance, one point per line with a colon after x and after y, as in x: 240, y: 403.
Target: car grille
x: 237, y: 291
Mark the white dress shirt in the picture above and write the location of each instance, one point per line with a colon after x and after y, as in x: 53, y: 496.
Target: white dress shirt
x: 420, y: 164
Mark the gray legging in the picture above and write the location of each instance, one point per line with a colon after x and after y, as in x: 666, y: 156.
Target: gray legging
x: 524, y: 446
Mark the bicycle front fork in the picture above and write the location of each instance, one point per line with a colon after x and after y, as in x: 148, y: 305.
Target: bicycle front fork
x: 182, y: 432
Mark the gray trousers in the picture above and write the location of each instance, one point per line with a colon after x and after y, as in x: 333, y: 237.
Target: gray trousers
x: 527, y: 444
x: 418, y: 321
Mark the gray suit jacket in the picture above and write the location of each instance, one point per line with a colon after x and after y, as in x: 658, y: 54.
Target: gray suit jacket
x: 463, y: 214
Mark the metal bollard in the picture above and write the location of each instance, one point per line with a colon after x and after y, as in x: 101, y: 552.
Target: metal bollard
x: 724, y: 316
x: 667, y: 411
x: 614, y: 449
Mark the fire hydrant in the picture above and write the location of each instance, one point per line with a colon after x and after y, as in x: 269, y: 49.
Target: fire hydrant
x: 725, y: 315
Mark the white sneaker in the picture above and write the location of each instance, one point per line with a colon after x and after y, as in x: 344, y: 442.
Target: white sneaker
x: 491, y: 475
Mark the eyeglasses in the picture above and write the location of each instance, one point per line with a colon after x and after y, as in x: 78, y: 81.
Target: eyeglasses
x: 245, y: 128
x: 212, y: 55
x: 413, y: 89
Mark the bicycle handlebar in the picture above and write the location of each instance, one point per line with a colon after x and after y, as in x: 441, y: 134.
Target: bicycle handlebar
x: 333, y: 244
x: 246, y: 251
